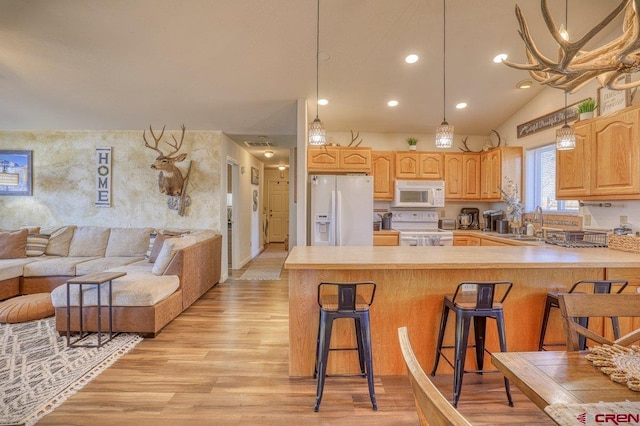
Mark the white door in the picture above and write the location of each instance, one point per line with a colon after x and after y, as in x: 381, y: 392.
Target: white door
x: 278, y: 211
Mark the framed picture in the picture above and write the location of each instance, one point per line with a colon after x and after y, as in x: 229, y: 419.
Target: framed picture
x: 16, y: 172
x: 613, y: 100
x: 255, y: 178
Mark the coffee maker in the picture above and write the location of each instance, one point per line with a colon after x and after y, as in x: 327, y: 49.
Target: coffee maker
x: 490, y: 218
x: 469, y: 218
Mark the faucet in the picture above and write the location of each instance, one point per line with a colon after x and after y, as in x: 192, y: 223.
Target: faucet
x: 537, y: 217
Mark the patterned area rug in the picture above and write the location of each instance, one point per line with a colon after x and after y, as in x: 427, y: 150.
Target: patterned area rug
x: 38, y: 372
x: 266, y: 266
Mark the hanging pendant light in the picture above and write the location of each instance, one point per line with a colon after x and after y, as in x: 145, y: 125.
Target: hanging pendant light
x: 317, y: 134
x: 565, y: 136
x: 444, y: 132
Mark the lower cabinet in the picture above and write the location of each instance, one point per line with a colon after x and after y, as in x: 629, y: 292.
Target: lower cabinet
x: 386, y: 238
x: 466, y: 241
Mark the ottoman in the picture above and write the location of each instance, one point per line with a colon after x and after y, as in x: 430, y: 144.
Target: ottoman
x: 26, y: 308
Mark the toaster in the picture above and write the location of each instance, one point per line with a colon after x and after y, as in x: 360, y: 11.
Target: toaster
x: 448, y: 224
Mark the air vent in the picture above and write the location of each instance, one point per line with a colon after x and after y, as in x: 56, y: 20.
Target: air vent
x: 260, y: 144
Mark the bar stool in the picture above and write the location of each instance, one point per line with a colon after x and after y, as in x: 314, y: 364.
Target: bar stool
x: 472, y: 300
x: 598, y: 286
x: 345, y: 300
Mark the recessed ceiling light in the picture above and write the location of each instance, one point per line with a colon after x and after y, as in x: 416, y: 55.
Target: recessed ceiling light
x: 281, y: 167
x: 392, y: 103
x: 524, y: 84
x: 461, y: 105
x: 499, y: 58
x: 268, y: 154
x: 411, y: 59
x: 323, y: 102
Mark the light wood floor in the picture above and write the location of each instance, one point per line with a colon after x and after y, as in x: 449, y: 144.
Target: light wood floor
x: 224, y: 362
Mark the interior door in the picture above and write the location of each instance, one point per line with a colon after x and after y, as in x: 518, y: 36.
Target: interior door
x: 278, y: 210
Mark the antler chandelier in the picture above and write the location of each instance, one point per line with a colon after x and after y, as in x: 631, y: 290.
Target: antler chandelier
x: 575, y: 67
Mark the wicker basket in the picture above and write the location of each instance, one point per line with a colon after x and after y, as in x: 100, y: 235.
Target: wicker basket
x: 624, y: 243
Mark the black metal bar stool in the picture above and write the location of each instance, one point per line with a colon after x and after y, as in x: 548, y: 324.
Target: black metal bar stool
x: 598, y: 286
x: 345, y: 300
x: 473, y: 300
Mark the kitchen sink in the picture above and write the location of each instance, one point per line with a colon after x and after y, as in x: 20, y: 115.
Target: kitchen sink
x: 521, y: 237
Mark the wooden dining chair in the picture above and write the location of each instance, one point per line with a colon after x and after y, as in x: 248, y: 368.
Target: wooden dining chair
x: 582, y: 305
x: 433, y: 408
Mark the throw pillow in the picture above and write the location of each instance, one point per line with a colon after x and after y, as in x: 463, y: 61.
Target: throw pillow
x: 37, y: 244
x: 157, y: 246
x: 59, y: 241
x: 128, y: 242
x: 89, y: 241
x: 169, y: 249
x: 13, y: 245
x: 152, y: 240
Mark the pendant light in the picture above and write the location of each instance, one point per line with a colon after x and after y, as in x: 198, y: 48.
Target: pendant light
x: 444, y: 132
x: 316, y: 130
x: 565, y: 136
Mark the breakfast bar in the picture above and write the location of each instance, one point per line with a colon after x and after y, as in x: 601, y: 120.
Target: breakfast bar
x: 412, y: 282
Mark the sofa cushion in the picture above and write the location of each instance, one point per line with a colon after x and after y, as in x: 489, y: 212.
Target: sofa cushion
x: 89, y: 241
x: 54, y: 266
x: 158, y: 242
x: 135, y: 267
x: 141, y: 289
x: 13, y: 245
x: 104, y: 263
x: 128, y: 242
x: 12, y: 268
x: 169, y: 249
x: 60, y: 239
x: 37, y: 244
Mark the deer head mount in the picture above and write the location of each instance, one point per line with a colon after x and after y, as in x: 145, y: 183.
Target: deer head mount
x: 170, y: 179
x: 574, y: 67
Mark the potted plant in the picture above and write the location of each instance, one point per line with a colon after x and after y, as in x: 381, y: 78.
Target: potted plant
x: 586, y: 108
x: 412, y: 143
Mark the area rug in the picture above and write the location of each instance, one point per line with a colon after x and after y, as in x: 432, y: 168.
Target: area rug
x: 266, y: 266
x: 38, y: 372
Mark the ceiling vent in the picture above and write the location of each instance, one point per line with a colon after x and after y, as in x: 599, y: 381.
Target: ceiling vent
x: 260, y: 144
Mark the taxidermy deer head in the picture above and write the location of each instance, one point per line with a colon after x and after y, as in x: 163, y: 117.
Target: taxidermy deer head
x: 170, y: 179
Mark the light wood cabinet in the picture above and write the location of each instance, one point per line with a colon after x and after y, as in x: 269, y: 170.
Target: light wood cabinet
x: 487, y: 242
x: 462, y: 176
x: 386, y: 238
x: 466, y: 241
x: 383, y: 171
x: 606, y: 159
x: 419, y: 165
x: 334, y: 159
x: 497, y: 164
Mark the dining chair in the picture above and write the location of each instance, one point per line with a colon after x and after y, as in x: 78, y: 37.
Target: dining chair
x: 581, y: 305
x: 433, y: 408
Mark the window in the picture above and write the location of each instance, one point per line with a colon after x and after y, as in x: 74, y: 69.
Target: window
x: 540, y: 182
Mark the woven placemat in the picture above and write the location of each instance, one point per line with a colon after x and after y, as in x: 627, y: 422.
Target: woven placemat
x: 618, y: 413
x: 620, y: 363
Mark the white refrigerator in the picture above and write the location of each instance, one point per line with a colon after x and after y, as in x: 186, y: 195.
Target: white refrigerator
x: 341, y: 210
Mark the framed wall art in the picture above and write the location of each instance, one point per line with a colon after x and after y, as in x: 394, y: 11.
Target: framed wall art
x: 16, y: 172
x: 613, y: 100
x: 255, y: 178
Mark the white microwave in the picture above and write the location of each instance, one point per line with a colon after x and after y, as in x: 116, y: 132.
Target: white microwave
x: 418, y: 193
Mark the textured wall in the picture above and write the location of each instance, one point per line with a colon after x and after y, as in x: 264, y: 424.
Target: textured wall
x: 64, y: 181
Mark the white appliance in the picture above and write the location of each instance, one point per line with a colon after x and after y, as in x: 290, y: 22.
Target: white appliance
x: 418, y: 193
x: 341, y: 210
x: 420, y: 228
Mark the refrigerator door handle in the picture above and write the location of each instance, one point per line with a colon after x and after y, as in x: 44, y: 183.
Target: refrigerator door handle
x: 332, y: 219
x: 339, y: 219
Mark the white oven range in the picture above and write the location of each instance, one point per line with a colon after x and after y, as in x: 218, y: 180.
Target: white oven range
x: 420, y: 228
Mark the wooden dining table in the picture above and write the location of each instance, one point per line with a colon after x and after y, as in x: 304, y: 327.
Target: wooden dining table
x: 560, y: 377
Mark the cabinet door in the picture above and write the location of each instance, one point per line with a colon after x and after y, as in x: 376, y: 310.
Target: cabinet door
x: 572, y: 167
x: 431, y: 166
x: 355, y: 159
x: 470, y: 176
x: 454, y: 177
x: 407, y: 165
x: 614, y: 162
x: 491, y: 175
x: 323, y: 158
x: 383, y: 175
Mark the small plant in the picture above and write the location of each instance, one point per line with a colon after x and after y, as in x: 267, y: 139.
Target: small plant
x: 588, y: 105
x: 412, y: 141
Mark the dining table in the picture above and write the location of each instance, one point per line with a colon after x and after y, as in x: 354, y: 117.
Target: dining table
x: 568, y: 387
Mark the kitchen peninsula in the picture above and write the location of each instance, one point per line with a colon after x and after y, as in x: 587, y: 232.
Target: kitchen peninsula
x: 411, y: 283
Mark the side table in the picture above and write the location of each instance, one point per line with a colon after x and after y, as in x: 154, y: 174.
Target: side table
x: 96, y: 279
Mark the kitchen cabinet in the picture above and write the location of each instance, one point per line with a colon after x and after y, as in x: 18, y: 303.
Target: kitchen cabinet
x: 383, y: 171
x: 459, y: 240
x: 386, y: 238
x: 607, y: 149
x: 487, y: 242
x: 338, y: 159
x: 462, y: 176
x: 419, y: 165
x: 497, y: 164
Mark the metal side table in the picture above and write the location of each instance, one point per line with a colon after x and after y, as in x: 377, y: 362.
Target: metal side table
x: 96, y: 279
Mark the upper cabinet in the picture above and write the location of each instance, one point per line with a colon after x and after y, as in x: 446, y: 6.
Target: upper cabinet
x: 383, y: 174
x: 606, y: 161
x: 462, y: 176
x: 419, y: 165
x: 495, y: 166
x: 337, y: 159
